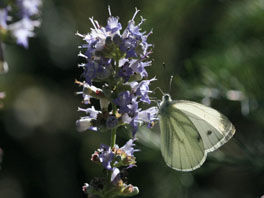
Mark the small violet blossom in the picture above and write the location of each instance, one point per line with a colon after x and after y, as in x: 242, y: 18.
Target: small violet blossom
x: 106, y: 156
x: 23, y: 27
x: 112, y: 158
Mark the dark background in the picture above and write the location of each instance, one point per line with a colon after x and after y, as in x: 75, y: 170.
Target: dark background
x: 215, y: 51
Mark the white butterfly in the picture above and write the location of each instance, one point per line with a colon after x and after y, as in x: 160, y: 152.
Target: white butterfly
x: 189, y: 131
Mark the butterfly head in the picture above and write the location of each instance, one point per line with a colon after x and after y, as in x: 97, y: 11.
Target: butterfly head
x: 166, y: 98
x: 165, y: 103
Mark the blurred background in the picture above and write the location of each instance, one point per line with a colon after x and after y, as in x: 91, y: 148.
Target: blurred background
x: 214, y: 50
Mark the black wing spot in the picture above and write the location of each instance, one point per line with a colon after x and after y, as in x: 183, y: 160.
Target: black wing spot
x: 209, y: 132
x: 199, y: 138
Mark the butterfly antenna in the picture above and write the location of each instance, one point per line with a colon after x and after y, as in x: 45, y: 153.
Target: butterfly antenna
x: 164, y: 66
x: 153, y: 98
x: 170, y: 83
x: 159, y: 90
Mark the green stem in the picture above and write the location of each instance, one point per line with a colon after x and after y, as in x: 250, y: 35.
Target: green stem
x: 113, y: 137
x: 113, y: 133
x: 117, y: 63
x: 113, y: 141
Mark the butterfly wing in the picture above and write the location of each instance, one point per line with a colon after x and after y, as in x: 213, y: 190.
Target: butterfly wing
x: 214, y: 128
x: 181, y: 145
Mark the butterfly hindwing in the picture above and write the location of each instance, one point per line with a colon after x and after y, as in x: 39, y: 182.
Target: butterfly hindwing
x: 181, y: 144
x: 214, y: 128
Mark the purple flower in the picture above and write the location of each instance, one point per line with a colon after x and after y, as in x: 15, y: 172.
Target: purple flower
x: 134, y: 126
x: 29, y: 7
x: 3, y: 18
x: 23, y: 29
x: 90, y: 72
x: 129, y: 107
x: 90, y: 45
x: 148, y: 116
x: 129, y: 147
x: 139, y: 67
x: 123, y: 100
x: 126, y: 118
x: 142, y: 89
x: 133, y: 108
x: 113, y: 25
x: 99, y: 34
x: 131, y: 22
x: 134, y: 29
x: 85, y: 123
x: 91, y: 111
x: 130, y: 115
x: 103, y: 72
x: 129, y: 46
x: 106, y: 156
x: 96, y: 69
x: 23, y: 26
x: 132, y: 42
x: 111, y: 122
x: 125, y: 71
x: 141, y: 116
x: 104, y: 69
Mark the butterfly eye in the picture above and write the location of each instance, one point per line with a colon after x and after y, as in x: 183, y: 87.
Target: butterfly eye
x: 209, y: 132
x: 166, y: 97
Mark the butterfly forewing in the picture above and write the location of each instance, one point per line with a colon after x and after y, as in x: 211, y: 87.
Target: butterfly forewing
x: 214, y: 128
x: 181, y: 145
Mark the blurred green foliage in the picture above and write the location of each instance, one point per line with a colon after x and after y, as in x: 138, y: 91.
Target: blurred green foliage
x: 214, y: 49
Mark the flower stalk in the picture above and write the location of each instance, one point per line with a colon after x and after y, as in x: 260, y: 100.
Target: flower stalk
x: 117, y: 62
x: 113, y: 137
